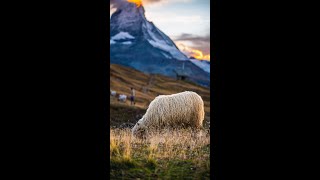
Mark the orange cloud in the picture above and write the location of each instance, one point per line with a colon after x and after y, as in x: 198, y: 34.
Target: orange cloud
x: 198, y: 54
x: 137, y: 2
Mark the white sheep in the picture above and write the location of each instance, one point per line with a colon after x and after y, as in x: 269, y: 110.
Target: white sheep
x: 181, y: 110
x: 122, y: 97
x: 113, y: 93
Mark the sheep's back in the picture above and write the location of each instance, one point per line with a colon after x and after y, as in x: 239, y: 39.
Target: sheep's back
x: 175, y: 110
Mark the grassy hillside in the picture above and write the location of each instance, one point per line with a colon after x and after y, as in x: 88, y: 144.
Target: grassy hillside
x: 169, y: 155
x: 162, y: 157
x: 147, y: 88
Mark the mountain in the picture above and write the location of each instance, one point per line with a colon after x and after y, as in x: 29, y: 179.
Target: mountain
x: 203, y: 64
x: 135, y: 42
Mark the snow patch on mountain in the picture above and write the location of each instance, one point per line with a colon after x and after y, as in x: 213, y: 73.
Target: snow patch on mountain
x: 201, y: 64
x: 161, y: 45
x: 122, y: 36
x: 112, y: 41
x: 127, y: 42
x: 165, y: 55
x: 162, y: 42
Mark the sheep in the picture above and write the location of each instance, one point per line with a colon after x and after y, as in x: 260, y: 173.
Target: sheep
x: 122, y: 98
x: 181, y: 110
x: 113, y: 93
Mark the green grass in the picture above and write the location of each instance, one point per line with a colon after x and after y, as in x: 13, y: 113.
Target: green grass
x: 172, y: 155
x: 146, y: 169
x: 122, y: 113
x: 162, y: 157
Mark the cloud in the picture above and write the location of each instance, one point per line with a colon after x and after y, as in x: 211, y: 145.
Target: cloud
x: 194, y: 38
x: 164, y: 1
x: 159, y: 3
x: 171, y: 17
x: 190, y: 51
x: 151, y: 2
x: 116, y: 3
x: 195, y: 41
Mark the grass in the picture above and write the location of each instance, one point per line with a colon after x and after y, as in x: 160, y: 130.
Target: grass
x: 122, y: 113
x: 149, y: 86
x: 122, y: 78
x: 166, y: 155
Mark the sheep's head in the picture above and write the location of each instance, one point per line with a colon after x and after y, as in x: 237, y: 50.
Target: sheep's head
x: 139, y: 130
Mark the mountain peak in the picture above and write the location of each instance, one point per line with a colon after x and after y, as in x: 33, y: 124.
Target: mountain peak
x: 127, y: 18
x: 130, y: 6
x: 138, y: 43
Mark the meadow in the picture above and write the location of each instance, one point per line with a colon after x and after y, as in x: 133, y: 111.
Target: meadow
x: 179, y: 154
x: 166, y: 155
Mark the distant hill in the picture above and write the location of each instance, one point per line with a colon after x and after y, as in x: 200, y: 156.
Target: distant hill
x: 147, y: 88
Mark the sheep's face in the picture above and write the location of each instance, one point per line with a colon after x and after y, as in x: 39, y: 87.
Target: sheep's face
x: 139, y: 130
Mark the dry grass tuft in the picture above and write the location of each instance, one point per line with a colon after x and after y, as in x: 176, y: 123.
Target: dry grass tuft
x: 168, y: 154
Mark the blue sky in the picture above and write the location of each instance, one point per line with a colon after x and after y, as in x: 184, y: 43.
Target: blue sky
x: 177, y: 17
x: 187, y: 22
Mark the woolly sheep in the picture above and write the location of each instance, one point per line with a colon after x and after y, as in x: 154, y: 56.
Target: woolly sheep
x: 113, y: 93
x: 122, y: 97
x: 181, y: 110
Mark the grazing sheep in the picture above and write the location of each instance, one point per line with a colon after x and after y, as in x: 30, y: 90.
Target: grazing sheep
x: 122, y: 98
x: 113, y: 93
x: 181, y: 110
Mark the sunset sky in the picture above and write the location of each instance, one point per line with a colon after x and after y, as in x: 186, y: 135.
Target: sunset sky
x: 187, y: 22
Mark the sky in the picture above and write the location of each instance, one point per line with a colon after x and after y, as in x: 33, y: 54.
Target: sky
x: 186, y: 22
